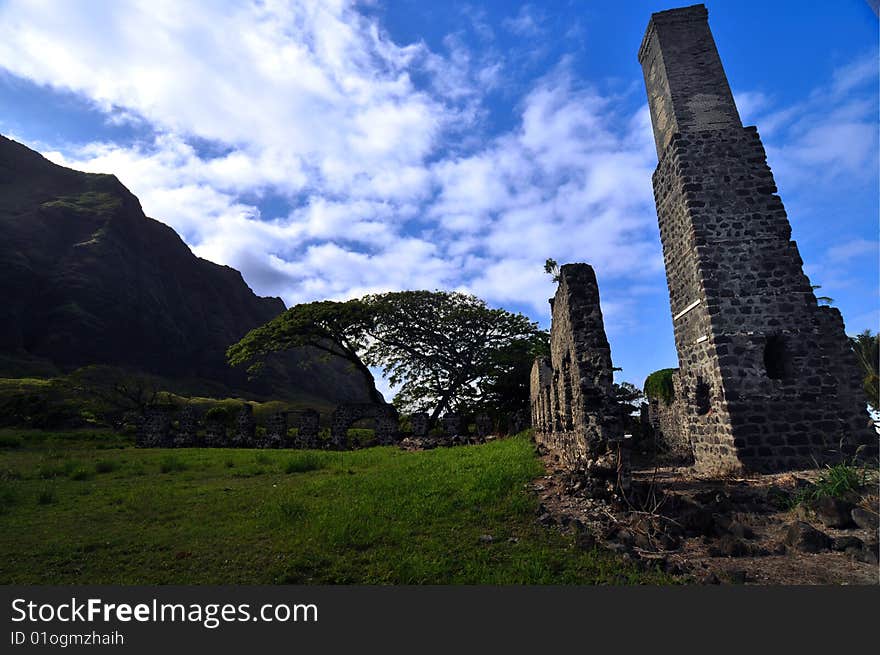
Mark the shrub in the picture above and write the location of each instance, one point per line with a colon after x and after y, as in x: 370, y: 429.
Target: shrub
x: 222, y: 414
x: 658, y: 385
x: 839, y: 481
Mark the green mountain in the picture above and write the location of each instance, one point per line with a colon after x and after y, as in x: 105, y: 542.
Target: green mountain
x: 87, y: 278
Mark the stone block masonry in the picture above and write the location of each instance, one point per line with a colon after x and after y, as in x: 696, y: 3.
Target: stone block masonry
x: 574, y: 413
x: 768, y: 379
x: 666, y: 425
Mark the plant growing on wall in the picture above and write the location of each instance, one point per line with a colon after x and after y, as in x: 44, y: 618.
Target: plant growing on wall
x: 658, y: 385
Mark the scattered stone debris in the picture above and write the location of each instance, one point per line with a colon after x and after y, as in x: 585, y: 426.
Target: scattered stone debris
x: 710, y: 531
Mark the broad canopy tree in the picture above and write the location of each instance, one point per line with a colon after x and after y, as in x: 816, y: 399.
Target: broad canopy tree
x: 338, y: 329
x: 445, y: 350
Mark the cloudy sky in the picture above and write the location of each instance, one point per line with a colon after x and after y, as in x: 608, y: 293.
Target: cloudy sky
x: 329, y: 149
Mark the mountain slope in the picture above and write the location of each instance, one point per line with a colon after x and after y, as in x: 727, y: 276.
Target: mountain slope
x: 87, y: 278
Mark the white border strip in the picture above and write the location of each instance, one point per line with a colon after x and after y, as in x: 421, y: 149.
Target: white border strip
x: 686, y: 310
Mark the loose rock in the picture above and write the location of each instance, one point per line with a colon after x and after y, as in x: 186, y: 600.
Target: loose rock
x: 834, y: 512
x: 806, y: 538
x: 865, y: 519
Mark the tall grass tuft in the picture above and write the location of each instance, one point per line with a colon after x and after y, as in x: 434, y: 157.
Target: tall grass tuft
x: 303, y: 462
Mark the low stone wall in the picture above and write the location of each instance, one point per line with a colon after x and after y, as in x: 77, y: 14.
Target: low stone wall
x: 185, y: 428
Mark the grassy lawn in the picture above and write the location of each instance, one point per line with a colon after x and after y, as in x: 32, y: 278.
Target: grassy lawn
x: 81, y: 508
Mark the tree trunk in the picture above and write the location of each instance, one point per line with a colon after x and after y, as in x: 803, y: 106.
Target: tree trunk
x: 444, y: 401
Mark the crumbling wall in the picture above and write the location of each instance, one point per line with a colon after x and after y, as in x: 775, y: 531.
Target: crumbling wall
x: 453, y: 425
x: 386, y: 426
x: 419, y: 422
x: 768, y: 380
x: 665, y: 422
x: 574, y: 413
x: 307, y: 429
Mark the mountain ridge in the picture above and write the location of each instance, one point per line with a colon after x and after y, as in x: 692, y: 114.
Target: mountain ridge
x: 87, y: 278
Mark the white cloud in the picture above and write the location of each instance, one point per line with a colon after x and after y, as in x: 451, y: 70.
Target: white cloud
x: 853, y: 249
x: 527, y: 22
x: 391, y: 183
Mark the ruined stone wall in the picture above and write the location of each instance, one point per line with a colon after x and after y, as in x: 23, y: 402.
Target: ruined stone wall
x: 386, y: 422
x: 540, y: 386
x: 573, y: 409
x: 768, y: 380
x: 669, y: 431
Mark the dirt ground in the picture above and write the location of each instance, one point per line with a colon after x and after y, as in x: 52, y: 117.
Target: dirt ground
x: 709, y: 531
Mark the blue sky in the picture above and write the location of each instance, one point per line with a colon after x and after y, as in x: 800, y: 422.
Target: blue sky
x: 329, y: 149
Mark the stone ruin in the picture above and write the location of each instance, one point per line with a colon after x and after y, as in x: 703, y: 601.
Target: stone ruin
x: 187, y: 426
x: 246, y: 428
x: 483, y: 425
x: 165, y: 427
x: 453, y: 426
x: 664, y: 423
x: 767, y: 379
x: 419, y: 422
x: 451, y: 430
x: 155, y: 430
x: 308, y: 428
x: 385, y: 417
x: 574, y: 413
x: 158, y: 430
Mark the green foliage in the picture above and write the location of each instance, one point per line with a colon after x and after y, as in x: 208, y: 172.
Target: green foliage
x: 90, y: 202
x: 336, y: 328
x: 840, y: 480
x: 437, y: 346
x: 441, y: 347
x: 658, y: 385
x: 223, y: 414
x: 112, y: 391
x: 867, y: 348
x: 552, y: 268
x: 823, y: 300
x: 504, y: 389
x: 36, y: 404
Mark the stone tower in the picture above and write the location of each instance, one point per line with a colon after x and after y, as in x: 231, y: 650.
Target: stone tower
x: 573, y: 409
x: 768, y: 379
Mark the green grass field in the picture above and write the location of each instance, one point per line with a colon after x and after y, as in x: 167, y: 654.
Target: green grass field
x: 82, y: 508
